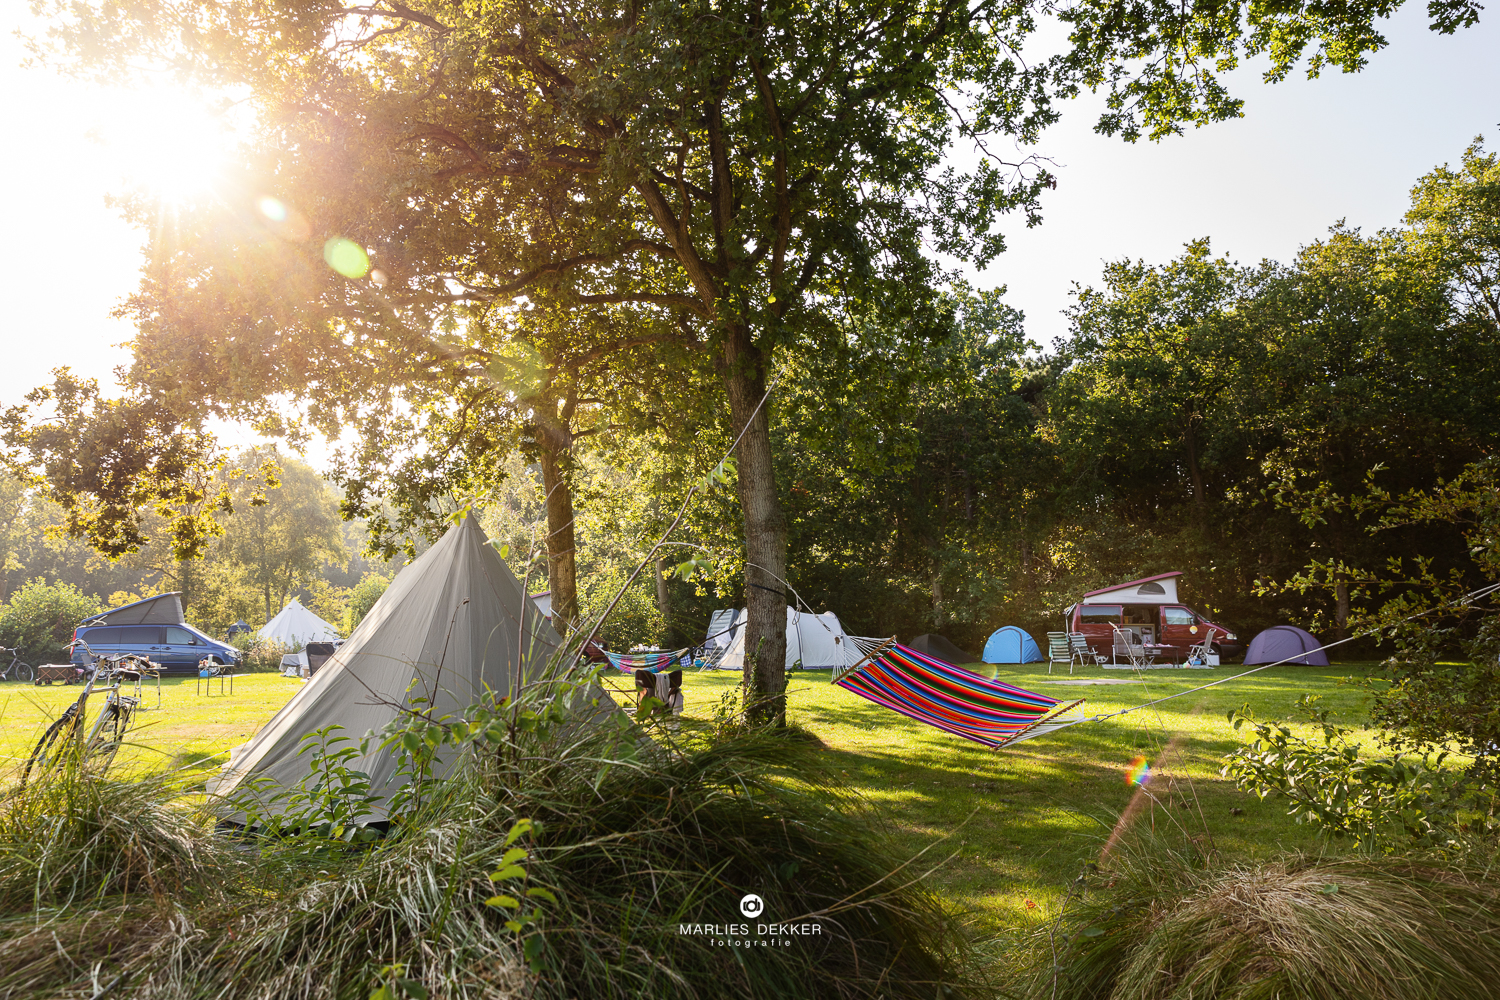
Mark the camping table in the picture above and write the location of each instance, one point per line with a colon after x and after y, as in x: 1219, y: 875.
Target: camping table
x: 205, y: 679
x: 1152, y: 650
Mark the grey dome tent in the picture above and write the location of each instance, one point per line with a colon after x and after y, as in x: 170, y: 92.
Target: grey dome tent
x: 1010, y: 644
x: 452, y: 626
x: 1286, y: 642
x: 939, y: 647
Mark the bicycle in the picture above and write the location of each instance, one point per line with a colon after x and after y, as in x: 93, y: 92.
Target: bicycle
x: 18, y: 670
x: 108, y: 734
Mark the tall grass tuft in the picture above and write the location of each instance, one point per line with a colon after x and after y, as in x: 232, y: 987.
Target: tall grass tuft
x: 627, y: 841
x: 69, y: 838
x: 1165, y: 925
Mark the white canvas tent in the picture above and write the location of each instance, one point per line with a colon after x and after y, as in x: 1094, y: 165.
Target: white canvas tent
x: 816, y: 640
x: 452, y: 626
x: 295, y: 626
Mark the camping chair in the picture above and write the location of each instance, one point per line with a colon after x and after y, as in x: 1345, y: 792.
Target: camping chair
x: 1197, y: 654
x: 666, y: 687
x: 1083, y: 652
x: 1130, y: 644
x: 317, y: 654
x: 1058, y: 650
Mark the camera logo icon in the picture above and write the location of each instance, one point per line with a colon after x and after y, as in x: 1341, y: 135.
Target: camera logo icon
x: 752, y: 905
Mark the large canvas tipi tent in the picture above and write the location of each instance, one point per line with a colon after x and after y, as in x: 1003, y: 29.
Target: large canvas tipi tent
x: 295, y: 626
x: 452, y: 626
x: 818, y: 641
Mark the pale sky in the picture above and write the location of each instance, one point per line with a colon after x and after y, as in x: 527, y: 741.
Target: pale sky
x: 1306, y: 154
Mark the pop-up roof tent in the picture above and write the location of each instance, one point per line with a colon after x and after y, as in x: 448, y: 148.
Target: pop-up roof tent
x: 941, y: 648
x: 1286, y: 642
x: 1160, y: 589
x: 1010, y: 644
x: 452, y: 626
x: 816, y: 640
x: 294, y: 625
x: 163, y: 609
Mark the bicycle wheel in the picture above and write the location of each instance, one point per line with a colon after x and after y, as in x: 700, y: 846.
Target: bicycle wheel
x: 109, y: 732
x: 23, y: 673
x: 52, y: 742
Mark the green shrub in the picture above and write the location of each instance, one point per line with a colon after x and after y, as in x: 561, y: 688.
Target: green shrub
x: 40, y: 619
x: 636, y: 619
x: 362, y: 597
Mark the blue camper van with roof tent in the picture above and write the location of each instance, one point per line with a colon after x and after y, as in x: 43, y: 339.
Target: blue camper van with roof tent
x: 153, y: 628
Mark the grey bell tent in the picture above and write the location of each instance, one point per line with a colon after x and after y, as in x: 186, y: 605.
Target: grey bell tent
x: 452, y: 626
x: 1286, y: 642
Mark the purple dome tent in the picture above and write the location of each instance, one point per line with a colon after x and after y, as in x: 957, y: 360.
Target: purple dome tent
x: 1286, y: 642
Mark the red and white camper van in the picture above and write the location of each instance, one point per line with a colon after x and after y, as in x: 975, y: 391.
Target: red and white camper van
x: 1149, y: 608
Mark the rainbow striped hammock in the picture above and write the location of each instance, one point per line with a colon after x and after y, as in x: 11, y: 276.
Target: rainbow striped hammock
x: 654, y: 662
x: 951, y: 698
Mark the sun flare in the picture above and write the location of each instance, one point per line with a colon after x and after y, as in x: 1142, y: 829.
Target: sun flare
x: 165, y: 142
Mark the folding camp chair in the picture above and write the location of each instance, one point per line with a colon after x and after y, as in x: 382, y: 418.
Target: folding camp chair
x: 1197, y: 654
x: 1058, y: 650
x: 1078, y: 643
x: 1129, y: 643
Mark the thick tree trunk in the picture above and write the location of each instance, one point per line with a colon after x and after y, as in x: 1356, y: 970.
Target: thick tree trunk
x: 1341, y: 608
x: 562, y: 576
x: 1195, y: 472
x: 664, y: 601
x: 765, y: 531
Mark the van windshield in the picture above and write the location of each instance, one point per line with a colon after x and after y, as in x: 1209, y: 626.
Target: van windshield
x: 1101, y: 614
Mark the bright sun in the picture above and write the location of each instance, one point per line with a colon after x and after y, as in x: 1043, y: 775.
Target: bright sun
x: 166, y: 142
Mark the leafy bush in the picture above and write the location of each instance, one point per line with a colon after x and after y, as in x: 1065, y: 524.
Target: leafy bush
x: 41, y: 617
x: 636, y: 619
x: 221, y: 598
x: 1160, y: 924
x: 362, y: 597
x: 1391, y: 803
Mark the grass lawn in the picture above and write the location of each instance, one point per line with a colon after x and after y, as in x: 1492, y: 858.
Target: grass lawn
x: 1020, y: 823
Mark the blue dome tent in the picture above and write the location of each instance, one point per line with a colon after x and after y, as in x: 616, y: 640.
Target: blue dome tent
x: 1011, y: 645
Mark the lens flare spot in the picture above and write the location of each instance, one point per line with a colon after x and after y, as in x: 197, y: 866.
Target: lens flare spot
x: 1138, y: 773
x: 272, y: 209
x: 346, y: 257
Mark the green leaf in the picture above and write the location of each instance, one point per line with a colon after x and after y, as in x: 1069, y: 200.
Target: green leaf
x: 412, y: 988
x: 537, y: 892
x: 513, y: 855
x: 521, y: 826
x: 1093, y: 932
x: 508, y: 902
x: 509, y: 871
x: 384, y: 993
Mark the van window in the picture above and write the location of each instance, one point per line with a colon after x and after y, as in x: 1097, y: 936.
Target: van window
x: 106, y: 636
x: 1101, y: 614
x: 1178, y: 616
x: 181, y: 637
x: 1140, y: 614
x: 140, y: 635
